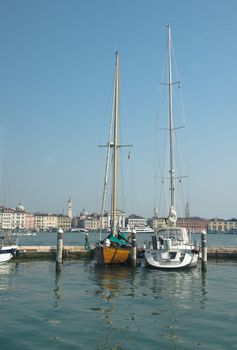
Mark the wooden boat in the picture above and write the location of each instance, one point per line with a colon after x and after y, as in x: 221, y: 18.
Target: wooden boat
x: 171, y: 247
x: 115, y: 249
x: 112, y: 255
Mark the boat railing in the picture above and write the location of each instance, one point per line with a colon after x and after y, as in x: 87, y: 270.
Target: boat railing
x: 7, y: 238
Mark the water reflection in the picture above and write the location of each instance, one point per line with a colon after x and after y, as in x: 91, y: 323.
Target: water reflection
x: 112, y: 281
x: 148, y: 302
x: 178, y: 285
x: 204, y: 289
x: 57, y: 289
x: 115, y: 287
x: 6, y: 271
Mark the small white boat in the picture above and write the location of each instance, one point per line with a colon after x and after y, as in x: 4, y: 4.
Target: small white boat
x: 8, y: 246
x: 171, y: 247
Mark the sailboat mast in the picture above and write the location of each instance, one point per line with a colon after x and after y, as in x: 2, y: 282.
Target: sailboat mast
x: 171, y: 171
x: 114, y: 228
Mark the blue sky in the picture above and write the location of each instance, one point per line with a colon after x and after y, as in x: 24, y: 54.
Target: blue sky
x: 56, y: 78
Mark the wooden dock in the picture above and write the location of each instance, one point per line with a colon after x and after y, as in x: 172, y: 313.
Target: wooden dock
x: 222, y: 253
x: 49, y: 252
x: 79, y: 252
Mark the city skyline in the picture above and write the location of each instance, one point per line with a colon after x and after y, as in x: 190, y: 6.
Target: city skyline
x: 64, y: 212
x: 57, y: 67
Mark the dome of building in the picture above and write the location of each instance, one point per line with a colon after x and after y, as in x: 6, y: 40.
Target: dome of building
x: 20, y: 207
x: 83, y: 214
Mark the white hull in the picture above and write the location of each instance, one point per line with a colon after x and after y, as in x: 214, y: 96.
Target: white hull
x: 7, y: 253
x: 171, y: 259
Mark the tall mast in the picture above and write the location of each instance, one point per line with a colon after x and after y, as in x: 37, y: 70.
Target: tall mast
x: 170, y: 83
x: 109, y: 145
x: 114, y: 227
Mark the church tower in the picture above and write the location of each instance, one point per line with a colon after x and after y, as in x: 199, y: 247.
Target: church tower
x: 69, y: 208
x: 187, y: 211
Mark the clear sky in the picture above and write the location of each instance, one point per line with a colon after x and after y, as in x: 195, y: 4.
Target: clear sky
x: 56, y: 78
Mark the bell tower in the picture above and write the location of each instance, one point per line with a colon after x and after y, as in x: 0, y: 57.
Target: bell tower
x: 69, y: 208
x: 187, y: 211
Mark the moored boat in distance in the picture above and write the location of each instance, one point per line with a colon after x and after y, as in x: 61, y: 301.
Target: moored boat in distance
x: 137, y: 229
x: 79, y: 230
x: 8, y: 246
x: 171, y: 246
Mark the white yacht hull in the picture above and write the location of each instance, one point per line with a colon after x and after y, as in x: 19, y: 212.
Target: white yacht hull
x: 171, y: 259
x: 7, y: 253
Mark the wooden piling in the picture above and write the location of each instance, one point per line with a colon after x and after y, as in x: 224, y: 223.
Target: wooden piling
x: 59, y: 252
x: 204, y: 250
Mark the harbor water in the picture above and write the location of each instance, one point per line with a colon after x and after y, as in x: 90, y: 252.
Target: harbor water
x: 78, y: 238
x: 89, y: 307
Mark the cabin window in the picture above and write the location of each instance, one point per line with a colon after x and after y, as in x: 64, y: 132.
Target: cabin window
x: 175, y: 234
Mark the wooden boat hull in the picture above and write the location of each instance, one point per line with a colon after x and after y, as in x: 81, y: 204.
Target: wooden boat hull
x: 112, y: 255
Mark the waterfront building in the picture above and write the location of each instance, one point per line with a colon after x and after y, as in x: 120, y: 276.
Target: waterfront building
x: 11, y: 219
x: 18, y: 218
x: 7, y: 218
x: 91, y: 222
x: 136, y: 221
x: 222, y: 225
x: 29, y: 221
x: 120, y: 219
x: 46, y: 222
x: 75, y: 222
x: 194, y: 224
x: 64, y: 222
x: 157, y: 222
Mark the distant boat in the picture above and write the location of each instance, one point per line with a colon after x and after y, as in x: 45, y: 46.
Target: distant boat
x: 138, y: 229
x: 8, y: 246
x: 79, y: 230
x: 115, y: 249
x: 172, y: 248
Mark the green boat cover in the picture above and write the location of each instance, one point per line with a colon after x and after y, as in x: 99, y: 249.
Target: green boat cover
x: 121, y: 239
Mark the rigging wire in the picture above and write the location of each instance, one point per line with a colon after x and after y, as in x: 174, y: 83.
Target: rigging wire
x: 178, y: 110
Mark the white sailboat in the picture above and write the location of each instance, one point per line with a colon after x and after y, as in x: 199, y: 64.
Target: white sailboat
x: 172, y: 248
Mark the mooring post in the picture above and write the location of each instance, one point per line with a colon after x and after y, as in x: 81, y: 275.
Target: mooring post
x: 87, y: 244
x: 134, y: 249
x: 204, y: 250
x: 59, y: 252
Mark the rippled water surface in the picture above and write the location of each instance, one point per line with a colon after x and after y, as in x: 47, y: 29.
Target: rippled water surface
x: 76, y: 238
x: 86, y: 307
